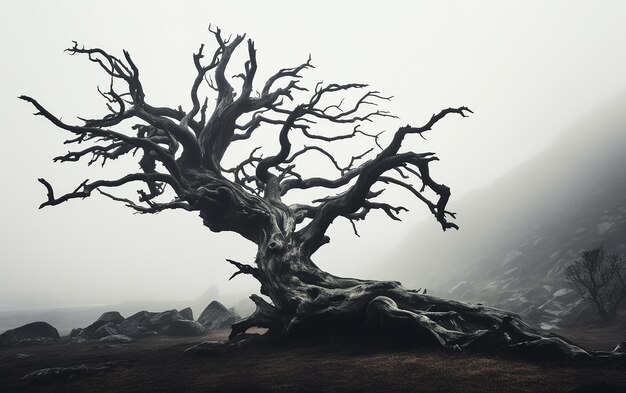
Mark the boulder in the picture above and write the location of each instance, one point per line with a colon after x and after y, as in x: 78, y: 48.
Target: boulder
x: 111, y: 316
x: 139, y: 319
x: 145, y: 321
x: 186, y: 313
x: 134, y: 330
x: 107, y: 329
x: 184, y: 327
x: 32, y: 333
x: 90, y: 331
x: 216, y: 316
x: 161, y: 321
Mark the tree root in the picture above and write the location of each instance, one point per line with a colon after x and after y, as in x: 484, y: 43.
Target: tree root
x: 386, y: 312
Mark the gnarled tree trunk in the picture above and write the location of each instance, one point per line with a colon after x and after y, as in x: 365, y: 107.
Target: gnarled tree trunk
x: 182, y: 151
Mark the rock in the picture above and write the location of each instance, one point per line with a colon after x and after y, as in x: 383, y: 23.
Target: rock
x: 144, y: 321
x: 111, y: 316
x: 185, y: 328
x: 461, y: 290
x: 147, y: 333
x: 186, y: 313
x: 76, y: 332
x: 620, y: 347
x: 565, y: 295
x: 107, y: 329
x: 211, y: 348
x: 135, y: 321
x: 61, y: 374
x: 116, y: 338
x: 553, y: 308
x: 580, y: 313
x: 216, y: 316
x: 511, y: 256
x: 161, y: 321
x: 32, y: 333
x: 133, y: 330
x: 35, y: 341
x: 77, y: 340
x: 532, y: 314
x: 90, y: 331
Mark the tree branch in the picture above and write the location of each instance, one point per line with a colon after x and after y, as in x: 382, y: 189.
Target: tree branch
x: 371, y: 171
x: 84, y: 189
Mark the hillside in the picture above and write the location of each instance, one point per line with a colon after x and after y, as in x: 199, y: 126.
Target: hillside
x: 517, y: 234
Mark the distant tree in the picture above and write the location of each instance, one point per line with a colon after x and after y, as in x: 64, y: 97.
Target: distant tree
x: 600, y: 278
x: 180, y: 155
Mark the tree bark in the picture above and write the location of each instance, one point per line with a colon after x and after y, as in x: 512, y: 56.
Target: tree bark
x: 309, y: 303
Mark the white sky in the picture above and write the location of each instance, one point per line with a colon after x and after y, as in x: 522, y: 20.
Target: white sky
x: 527, y: 68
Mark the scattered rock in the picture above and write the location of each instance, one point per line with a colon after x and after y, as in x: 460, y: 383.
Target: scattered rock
x: 76, y: 332
x: 216, y: 316
x: 620, y: 347
x: 32, y: 333
x: 185, y: 328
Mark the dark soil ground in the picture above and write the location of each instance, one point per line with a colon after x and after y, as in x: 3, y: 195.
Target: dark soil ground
x: 158, y: 364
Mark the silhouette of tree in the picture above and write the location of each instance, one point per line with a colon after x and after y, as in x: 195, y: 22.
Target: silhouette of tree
x: 600, y: 278
x: 181, y: 154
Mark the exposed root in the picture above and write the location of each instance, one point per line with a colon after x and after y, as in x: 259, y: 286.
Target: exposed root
x: 387, y: 312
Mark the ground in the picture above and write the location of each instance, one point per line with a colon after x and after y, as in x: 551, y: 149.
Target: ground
x: 158, y: 364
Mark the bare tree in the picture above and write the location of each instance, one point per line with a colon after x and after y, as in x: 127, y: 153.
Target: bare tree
x: 181, y: 156
x: 600, y: 278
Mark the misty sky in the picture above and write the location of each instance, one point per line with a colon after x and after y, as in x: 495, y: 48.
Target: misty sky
x: 527, y: 68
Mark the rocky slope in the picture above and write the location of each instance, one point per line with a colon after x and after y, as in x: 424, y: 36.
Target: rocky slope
x: 518, y: 234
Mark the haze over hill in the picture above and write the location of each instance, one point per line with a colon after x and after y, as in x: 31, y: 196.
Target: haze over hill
x: 517, y: 234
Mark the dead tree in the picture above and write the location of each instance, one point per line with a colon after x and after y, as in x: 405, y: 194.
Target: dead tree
x: 181, y: 157
x: 600, y: 278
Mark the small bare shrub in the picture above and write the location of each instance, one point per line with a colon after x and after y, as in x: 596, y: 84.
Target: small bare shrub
x: 599, y: 277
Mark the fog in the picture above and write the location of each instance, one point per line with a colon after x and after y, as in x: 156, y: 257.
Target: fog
x: 528, y: 69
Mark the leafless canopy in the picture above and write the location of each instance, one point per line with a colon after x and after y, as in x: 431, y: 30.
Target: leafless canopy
x: 181, y: 155
x: 599, y: 277
x: 182, y: 150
